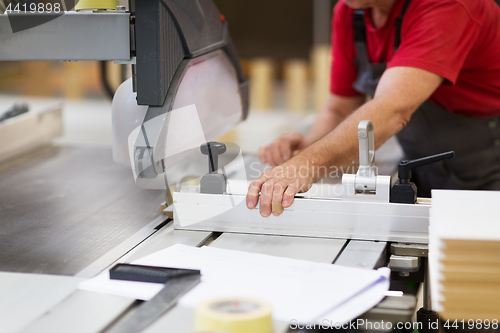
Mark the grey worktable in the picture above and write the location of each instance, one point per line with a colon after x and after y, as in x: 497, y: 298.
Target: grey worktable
x: 54, y: 223
x: 61, y: 208
x: 77, y: 311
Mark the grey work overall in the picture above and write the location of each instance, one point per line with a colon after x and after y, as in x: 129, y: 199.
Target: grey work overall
x: 433, y: 130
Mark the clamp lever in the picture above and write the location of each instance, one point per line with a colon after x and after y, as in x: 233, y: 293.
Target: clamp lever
x: 213, y: 182
x: 366, y: 184
x: 213, y: 150
x: 405, y: 191
x: 367, y: 170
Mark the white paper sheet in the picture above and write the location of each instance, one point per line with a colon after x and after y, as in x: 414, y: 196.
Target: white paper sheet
x: 297, y: 289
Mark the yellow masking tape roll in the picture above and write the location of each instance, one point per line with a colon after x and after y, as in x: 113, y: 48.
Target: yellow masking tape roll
x: 96, y: 4
x: 234, y: 315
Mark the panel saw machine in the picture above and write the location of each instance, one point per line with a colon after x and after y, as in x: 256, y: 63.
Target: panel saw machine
x: 170, y: 147
x: 187, y: 89
x: 361, y: 207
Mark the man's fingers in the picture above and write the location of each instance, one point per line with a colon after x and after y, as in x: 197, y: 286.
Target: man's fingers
x: 285, y: 149
x: 282, y: 149
x: 275, y: 147
x: 295, y: 139
x: 253, y: 192
x: 262, y: 155
x: 269, y: 156
x: 276, y: 203
x: 266, y: 195
x: 289, y: 195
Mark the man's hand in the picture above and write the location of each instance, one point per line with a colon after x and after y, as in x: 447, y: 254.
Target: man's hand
x: 281, y: 184
x: 400, y: 91
x: 282, y: 149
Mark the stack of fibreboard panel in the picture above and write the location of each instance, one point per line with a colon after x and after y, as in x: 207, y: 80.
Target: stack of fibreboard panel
x: 464, y: 256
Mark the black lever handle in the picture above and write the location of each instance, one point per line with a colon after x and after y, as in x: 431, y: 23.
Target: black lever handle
x: 213, y: 150
x: 406, y: 192
x: 405, y: 167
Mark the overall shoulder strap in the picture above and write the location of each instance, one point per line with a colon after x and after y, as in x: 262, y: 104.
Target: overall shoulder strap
x: 359, y: 26
x: 399, y: 24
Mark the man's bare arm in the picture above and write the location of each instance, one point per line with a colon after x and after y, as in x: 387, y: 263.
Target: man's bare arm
x: 335, y: 110
x: 401, y: 90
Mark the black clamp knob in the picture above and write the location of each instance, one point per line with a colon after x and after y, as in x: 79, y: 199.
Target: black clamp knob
x: 213, y: 149
x: 405, y: 191
x: 213, y: 182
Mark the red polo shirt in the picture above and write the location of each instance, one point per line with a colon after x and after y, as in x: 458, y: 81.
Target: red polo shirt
x: 456, y: 39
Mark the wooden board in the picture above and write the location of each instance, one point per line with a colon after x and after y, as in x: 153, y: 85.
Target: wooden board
x: 29, y: 131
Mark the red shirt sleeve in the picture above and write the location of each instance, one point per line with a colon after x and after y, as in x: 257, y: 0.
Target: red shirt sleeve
x: 436, y: 37
x: 343, y: 70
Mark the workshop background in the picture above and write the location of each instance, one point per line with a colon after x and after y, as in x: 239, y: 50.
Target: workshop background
x: 67, y: 206
x: 286, y: 60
